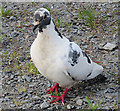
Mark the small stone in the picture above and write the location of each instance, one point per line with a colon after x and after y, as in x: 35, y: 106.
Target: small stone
x: 44, y: 105
x: 3, y: 74
x: 8, y: 82
x: 22, y: 59
x: 12, y: 84
x: 7, y: 98
x: 12, y: 105
x: 24, y: 94
x: 14, y: 34
x: 68, y: 106
x: 29, y: 95
x: 12, y: 18
x: 109, y: 14
x: 12, y: 76
x: 36, y: 106
x: 32, y: 84
x: 110, y: 90
x: 79, y: 102
x: 27, y: 78
x: 35, y: 97
x: 108, y: 46
x: 45, y: 96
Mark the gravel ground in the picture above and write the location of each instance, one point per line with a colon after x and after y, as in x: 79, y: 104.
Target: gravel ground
x: 23, y: 87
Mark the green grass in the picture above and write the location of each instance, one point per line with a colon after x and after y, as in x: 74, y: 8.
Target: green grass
x: 91, y: 106
x: 59, y: 23
x: 16, y: 65
x: 16, y: 101
x: 6, y: 13
x: 47, y: 8
x: 55, y: 94
x: 90, y: 17
x: 23, y: 89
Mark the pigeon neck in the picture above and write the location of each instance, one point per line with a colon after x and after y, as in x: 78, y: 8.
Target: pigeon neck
x: 51, y: 32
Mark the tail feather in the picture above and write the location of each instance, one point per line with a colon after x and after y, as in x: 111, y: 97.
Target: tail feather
x: 97, y: 69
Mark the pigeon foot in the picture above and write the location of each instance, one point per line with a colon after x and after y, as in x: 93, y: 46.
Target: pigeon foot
x: 60, y: 97
x: 55, y: 87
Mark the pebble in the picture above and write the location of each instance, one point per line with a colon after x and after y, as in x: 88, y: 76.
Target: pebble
x: 108, y: 46
x: 68, y: 106
x: 12, y: 105
x: 12, y: 84
x: 45, y: 96
x: 110, y: 90
x: 35, y: 97
x: 36, y: 106
x: 27, y: 78
x: 12, y: 76
x: 79, y: 102
x: 44, y: 105
x: 14, y: 34
x: 22, y: 59
x: 12, y: 18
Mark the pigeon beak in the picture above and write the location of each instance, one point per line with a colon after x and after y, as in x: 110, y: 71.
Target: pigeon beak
x: 35, y: 23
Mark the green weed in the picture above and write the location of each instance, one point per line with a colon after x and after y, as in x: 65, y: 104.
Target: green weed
x: 47, y: 8
x: 59, y: 23
x: 96, y: 105
x: 16, y: 102
x: 31, y: 68
x: 68, y: 24
x: 55, y: 94
x: 22, y: 89
x: 0, y: 38
x: 6, y: 13
x: 90, y: 17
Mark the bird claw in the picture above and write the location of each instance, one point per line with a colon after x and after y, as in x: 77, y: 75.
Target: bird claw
x: 60, y: 97
x: 55, y: 87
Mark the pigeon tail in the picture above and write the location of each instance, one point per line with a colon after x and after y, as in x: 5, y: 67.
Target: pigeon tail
x: 97, y: 69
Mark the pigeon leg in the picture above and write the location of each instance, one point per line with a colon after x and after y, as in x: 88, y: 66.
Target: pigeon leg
x: 55, y: 87
x: 60, y: 97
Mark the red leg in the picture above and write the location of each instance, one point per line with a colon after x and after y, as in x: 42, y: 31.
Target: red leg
x: 60, y: 97
x: 98, y: 62
x: 55, y: 87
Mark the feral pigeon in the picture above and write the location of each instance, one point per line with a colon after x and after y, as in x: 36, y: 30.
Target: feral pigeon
x: 58, y: 59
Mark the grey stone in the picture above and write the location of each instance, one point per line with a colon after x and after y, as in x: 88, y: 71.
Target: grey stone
x: 109, y: 14
x: 44, y: 105
x: 8, y: 82
x: 79, y: 102
x: 32, y: 84
x: 110, y: 90
x: 45, y: 96
x: 12, y: 18
x: 12, y: 84
x: 27, y: 78
x: 7, y: 98
x: 22, y: 59
x: 24, y: 94
x: 68, y: 106
x: 12, y: 76
x: 36, y: 106
x: 108, y: 46
x: 12, y: 105
x: 35, y: 97
x: 14, y: 34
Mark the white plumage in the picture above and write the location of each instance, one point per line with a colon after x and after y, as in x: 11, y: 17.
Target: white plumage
x: 56, y: 57
x: 60, y: 60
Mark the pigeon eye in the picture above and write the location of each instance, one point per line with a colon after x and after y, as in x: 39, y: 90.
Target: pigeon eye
x: 45, y: 17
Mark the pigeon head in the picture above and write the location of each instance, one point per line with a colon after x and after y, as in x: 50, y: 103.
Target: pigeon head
x: 42, y: 18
